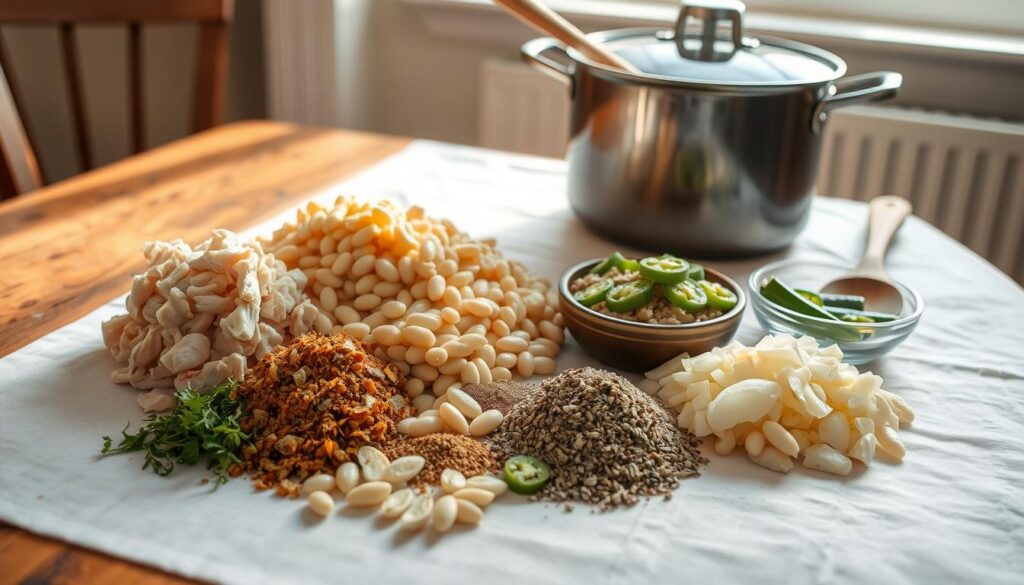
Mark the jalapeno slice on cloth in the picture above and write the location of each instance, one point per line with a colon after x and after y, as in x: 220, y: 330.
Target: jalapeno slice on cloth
x: 630, y: 295
x: 526, y: 475
x: 593, y: 294
x: 687, y: 295
x: 666, y: 269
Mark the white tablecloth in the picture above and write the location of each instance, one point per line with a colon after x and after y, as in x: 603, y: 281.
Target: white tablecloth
x: 953, y: 511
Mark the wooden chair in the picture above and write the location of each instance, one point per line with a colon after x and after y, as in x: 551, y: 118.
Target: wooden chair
x: 19, y: 169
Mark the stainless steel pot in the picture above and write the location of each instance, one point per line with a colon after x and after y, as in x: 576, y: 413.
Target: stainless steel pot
x: 712, y: 150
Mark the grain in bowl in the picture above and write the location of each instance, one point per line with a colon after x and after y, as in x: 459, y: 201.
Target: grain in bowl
x: 638, y: 346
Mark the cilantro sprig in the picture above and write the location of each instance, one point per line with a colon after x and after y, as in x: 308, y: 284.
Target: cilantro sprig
x: 199, y: 426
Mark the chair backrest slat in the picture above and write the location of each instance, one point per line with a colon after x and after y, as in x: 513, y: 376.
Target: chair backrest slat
x: 212, y: 18
x: 19, y: 171
x: 211, y: 76
x: 135, y: 83
x: 16, y: 97
x: 73, y: 78
x: 50, y: 11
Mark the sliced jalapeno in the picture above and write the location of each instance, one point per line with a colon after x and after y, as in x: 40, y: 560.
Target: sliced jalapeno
x: 613, y: 261
x: 593, y: 294
x: 687, y: 295
x: 630, y: 296
x: 719, y: 297
x: 856, y: 319
x: 696, y: 272
x: 629, y: 265
x: 855, y: 316
x: 779, y: 293
x: 810, y: 295
x: 666, y: 269
x: 526, y: 475
x: 855, y: 302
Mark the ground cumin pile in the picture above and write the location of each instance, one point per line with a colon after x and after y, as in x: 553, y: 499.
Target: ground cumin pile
x: 501, y: 396
x: 607, y: 442
x: 311, y: 404
x: 443, y: 451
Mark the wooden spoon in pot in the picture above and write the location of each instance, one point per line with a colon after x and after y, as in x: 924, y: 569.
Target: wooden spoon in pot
x: 539, y: 16
x: 868, y: 279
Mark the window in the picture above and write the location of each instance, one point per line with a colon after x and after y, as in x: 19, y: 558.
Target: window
x: 997, y: 16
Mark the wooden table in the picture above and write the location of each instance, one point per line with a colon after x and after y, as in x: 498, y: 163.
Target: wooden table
x: 68, y: 248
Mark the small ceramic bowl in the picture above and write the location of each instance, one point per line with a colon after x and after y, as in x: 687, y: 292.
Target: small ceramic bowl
x: 860, y: 342
x: 638, y: 347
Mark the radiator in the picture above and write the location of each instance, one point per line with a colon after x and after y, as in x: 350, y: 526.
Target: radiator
x: 963, y: 174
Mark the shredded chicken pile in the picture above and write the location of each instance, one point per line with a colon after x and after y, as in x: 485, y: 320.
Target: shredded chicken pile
x: 196, y: 317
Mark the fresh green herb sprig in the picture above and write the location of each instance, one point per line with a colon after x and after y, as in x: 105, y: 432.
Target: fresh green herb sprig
x: 199, y: 426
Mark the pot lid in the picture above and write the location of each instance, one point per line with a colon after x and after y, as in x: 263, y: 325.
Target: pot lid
x: 697, y: 52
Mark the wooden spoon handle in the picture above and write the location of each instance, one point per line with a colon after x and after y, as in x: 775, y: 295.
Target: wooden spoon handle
x: 539, y: 16
x: 886, y: 215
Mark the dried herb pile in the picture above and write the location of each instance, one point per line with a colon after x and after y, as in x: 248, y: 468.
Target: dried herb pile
x: 608, y: 443
x: 311, y: 404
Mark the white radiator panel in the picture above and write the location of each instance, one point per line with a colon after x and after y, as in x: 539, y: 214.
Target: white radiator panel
x: 963, y: 174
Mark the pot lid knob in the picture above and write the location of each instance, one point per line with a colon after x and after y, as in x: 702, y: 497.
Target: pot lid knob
x: 710, y: 13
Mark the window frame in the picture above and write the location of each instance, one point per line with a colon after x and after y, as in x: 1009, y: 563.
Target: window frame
x: 991, y: 16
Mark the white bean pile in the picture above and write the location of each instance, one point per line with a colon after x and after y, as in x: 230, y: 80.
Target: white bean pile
x: 782, y: 399
x: 445, y: 309
x: 377, y: 482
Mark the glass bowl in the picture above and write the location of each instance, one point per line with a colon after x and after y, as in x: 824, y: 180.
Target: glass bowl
x: 860, y: 342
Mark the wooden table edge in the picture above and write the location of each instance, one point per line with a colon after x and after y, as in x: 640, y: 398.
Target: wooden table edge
x: 35, y: 558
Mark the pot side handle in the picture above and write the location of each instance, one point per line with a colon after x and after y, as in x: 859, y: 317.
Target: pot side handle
x: 869, y: 87
x: 533, y: 54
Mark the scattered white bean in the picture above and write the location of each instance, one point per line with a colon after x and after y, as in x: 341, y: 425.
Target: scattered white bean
x: 446, y: 510
x: 347, y: 476
x: 416, y: 516
x: 405, y: 468
x: 480, y: 497
x: 371, y: 493
x: 466, y: 404
x: 321, y: 503
x: 453, y: 419
x: 490, y: 483
x: 484, y: 423
x: 452, y: 480
x: 469, y: 513
x: 397, y: 503
x: 373, y: 462
x: 321, y: 482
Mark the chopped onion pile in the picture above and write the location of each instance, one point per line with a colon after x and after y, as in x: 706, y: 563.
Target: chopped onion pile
x: 783, y: 399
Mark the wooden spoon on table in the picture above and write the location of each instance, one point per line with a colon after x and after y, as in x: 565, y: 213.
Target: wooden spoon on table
x: 869, y: 279
x: 539, y: 16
